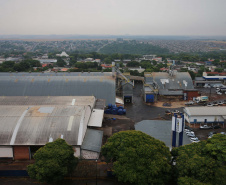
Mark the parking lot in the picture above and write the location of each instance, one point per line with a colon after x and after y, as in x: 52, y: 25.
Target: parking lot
x: 139, y: 110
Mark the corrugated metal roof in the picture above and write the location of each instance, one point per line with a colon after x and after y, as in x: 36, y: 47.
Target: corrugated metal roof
x: 166, y: 92
x: 56, y: 74
x: 148, y: 90
x: 47, y: 100
x: 23, y: 125
x: 159, y: 130
x: 102, y: 87
x: 92, y: 140
x: 96, y: 118
x: 180, y: 80
x: 205, y: 111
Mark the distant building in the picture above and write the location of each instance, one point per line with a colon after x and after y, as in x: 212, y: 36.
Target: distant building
x: 63, y: 54
x: 139, y: 69
x: 47, y: 61
x: 45, y: 56
x: 149, y: 57
x: 97, y: 60
x: 105, y: 66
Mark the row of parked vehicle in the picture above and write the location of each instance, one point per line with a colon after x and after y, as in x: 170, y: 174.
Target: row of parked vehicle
x: 210, y: 127
x: 216, y: 103
x: 189, y: 132
x: 221, y: 90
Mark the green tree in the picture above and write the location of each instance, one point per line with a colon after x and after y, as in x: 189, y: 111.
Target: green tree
x: 219, y: 70
x: 133, y: 64
x: 203, y: 161
x: 60, y: 62
x: 53, y: 162
x: 138, y: 158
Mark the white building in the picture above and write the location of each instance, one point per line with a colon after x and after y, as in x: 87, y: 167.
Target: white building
x: 205, y: 115
x: 63, y: 54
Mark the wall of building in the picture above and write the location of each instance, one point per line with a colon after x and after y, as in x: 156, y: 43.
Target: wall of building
x: 191, y: 94
x: 86, y: 154
x: 201, y: 119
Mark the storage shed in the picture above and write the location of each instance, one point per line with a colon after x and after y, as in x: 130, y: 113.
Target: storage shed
x: 205, y: 115
x: 25, y: 128
x: 100, y: 85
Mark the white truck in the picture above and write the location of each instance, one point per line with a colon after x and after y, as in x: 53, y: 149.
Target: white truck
x: 201, y: 99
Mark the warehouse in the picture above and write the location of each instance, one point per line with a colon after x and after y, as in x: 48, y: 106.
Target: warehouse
x: 169, y: 85
x: 28, y: 123
x: 100, y: 85
x: 205, y: 115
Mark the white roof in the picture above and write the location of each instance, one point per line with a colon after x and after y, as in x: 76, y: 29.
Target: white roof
x: 96, y: 118
x: 205, y: 111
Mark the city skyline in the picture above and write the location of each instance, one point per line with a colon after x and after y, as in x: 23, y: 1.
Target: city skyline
x: 113, y: 17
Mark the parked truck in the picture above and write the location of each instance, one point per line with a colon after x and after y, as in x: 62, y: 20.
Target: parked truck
x: 202, y: 99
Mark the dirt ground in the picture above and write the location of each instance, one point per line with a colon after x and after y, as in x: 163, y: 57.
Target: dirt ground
x: 170, y: 104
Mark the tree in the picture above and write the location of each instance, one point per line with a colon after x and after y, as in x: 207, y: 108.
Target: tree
x: 138, y: 158
x: 203, y: 161
x: 133, y: 64
x: 53, y: 162
x: 219, y: 70
x: 60, y: 62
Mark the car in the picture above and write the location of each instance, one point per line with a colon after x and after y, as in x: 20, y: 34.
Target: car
x: 220, y: 102
x: 224, y: 101
x: 187, y: 130
x: 205, y: 127
x: 219, y: 93
x: 209, y: 105
x: 190, y: 132
x: 215, y: 103
x: 168, y: 112
x: 196, y: 141
x: 216, y: 127
x: 191, y: 135
x: 211, y: 133
x: 175, y: 112
x: 189, y: 103
x: 223, y: 133
x: 194, y: 138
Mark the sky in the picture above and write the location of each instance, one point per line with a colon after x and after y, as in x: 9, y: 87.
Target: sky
x: 113, y: 17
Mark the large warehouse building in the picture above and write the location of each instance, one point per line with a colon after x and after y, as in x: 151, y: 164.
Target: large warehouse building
x: 100, y: 85
x: 205, y: 115
x: 28, y: 123
x: 168, y: 85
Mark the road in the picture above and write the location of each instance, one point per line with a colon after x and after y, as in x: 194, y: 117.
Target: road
x: 139, y: 111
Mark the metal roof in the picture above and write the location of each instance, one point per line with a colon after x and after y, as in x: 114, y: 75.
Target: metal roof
x: 102, y: 87
x: 56, y: 74
x: 37, y: 125
x: 180, y: 80
x: 48, y: 100
x: 167, y: 92
x: 205, y: 111
x: 92, y: 140
x: 214, y: 77
x: 96, y: 118
x: 199, y: 79
x: 159, y: 130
